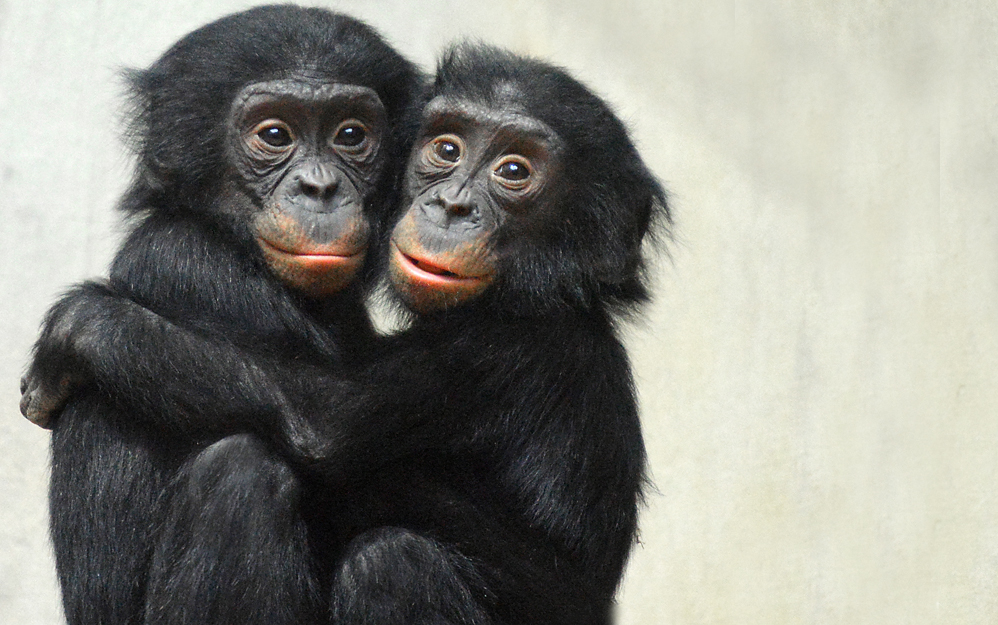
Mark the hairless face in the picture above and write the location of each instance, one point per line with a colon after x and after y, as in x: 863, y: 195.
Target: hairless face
x: 473, y: 171
x: 308, y: 155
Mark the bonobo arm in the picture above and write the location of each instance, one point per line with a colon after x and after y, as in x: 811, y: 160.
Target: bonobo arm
x: 196, y: 382
x: 182, y: 380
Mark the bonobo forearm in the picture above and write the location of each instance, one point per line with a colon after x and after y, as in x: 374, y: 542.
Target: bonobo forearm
x: 179, y: 379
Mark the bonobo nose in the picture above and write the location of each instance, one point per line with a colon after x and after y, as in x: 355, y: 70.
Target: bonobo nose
x: 458, y: 205
x: 318, y: 183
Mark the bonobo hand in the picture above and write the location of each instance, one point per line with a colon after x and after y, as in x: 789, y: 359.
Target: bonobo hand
x: 56, y: 371
x: 313, y: 434
x: 306, y: 446
x: 43, y: 398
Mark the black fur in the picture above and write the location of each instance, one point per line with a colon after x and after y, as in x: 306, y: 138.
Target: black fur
x: 485, y: 465
x: 190, y: 260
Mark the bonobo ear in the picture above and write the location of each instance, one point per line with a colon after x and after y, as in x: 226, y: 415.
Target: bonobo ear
x: 155, y: 175
x: 649, y: 220
x: 627, y: 217
x: 177, y: 128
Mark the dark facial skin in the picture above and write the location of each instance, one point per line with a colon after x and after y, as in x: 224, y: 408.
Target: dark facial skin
x: 308, y: 155
x: 473, y: 171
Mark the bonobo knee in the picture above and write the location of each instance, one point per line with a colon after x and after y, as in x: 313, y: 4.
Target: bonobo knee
x: 240, y: 467
x: 394, y: 576
x: 387, y: 548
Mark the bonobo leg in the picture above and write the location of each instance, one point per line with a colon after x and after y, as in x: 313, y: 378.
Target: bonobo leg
x: 105, y: 503
x: 392, y: 576
x: 233, y: 547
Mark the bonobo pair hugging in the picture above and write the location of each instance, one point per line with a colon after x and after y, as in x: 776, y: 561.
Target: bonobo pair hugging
x: 232, y: 442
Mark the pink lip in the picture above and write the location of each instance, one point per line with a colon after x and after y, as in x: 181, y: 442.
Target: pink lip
x: 427, y: 272
x: 316, y: 255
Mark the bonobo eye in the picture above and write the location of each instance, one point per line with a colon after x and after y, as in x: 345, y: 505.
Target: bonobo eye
x: 275, y: 136
x: 444, y: 151
x: 350, y: 134
x: 447, y: 151
x: 513, y: 172
x: 272, y: 136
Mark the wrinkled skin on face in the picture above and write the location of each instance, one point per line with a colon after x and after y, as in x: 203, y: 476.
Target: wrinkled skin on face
x: 475, y: 171
x: 308, y: 155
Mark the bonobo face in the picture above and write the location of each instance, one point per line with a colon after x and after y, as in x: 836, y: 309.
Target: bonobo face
x: 309, y: 154
x: 475, y: 171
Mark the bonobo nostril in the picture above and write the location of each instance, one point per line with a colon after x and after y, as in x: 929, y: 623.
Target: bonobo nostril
x: 462, y: 206
x: 314, y: 191
x: 318, y: 184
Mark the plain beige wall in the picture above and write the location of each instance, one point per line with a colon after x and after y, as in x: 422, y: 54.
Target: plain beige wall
x: 819, y: 373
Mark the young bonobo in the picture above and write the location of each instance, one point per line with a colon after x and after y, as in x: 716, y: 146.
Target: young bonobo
x: 270, y: 147
x: 486, y: 465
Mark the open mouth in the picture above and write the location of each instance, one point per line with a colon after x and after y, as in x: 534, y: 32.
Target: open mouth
x: 429, y: 267
x: 426, y: 271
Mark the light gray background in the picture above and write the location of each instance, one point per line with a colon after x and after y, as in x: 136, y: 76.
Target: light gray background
x: 818, y: 373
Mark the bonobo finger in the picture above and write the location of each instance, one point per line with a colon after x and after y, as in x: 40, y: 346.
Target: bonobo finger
x: 305, y: 444
x: 39, y: 404
x: 31, y: 408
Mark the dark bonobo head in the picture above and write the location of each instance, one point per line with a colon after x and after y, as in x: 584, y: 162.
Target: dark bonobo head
x: 522, y: 191
x: 282, y: 126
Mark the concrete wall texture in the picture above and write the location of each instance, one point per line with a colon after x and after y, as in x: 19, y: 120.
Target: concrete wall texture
x: 819, y: 371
